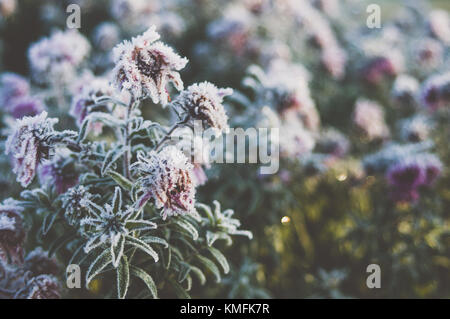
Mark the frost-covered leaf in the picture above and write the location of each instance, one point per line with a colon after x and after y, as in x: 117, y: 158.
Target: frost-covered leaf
x: 142, y: 246
x: 123, y: 278
x: 146, y: 278
x: 112, y: 156
x: 117, y: 251
x: 140, y: 225
x: 155, y: 240
x: 211, y: 266
x: 220, y: 259
x: 103, y: 260
x: 121, y: 180
x: 188, y: 227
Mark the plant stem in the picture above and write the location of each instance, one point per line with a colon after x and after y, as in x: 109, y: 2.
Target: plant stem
x: 127, y: 155
x: 169, y: 133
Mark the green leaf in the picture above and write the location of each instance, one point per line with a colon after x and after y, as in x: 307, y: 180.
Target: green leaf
x: 140, y: 224
x: 179, y: 290
x: 211, y: 266
x: 155, y: 240
x: 211, y: 237
x: 188, y: 227
x: 142, y: 246
x: 199, y: 273
x: 209, y: 213
x: 103, y: 260
x: 48, y: 222
x: 146, y: 278
x: 112, y: 156
x: 123, y: 278
x: 184, y: 271
x: 117, y: 200
x: 83, y: 131
x: 220, y: 258
x: 122, y: 181
x: 117, y: 251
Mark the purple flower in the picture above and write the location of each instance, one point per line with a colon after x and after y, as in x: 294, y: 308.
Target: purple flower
x: 28, y: 145
x: 26, y: 106
x: 12, y: 232
x: 435, y: 91
x: 12, y: 86
x: 168, y: 178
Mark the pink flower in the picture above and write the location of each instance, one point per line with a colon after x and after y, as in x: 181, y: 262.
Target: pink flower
x: 28, y: 145
x: 145, y: 67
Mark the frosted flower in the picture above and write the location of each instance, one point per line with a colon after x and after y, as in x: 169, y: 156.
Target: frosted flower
x: 77, y: 203
x: 415, y: 129
x: 439, y: 24
x: 203, y: 102
x: 38, y: 263
x: 106, y: 35
x: 368, y: 116
x: 167, y: 178
x: 388, y: 63
x: 405, y: 89
x: 429, y: 53
x: 435, y: 92
x: 58, y: 56
x: 59, y: 172
x: 12, y: 86
x: 40, y: 287
x: 84, y: 101
x: 12, y: 232
x: 145, y: 67
x: 28, y: 145
x: 26, y: 106
x: 334, y: 61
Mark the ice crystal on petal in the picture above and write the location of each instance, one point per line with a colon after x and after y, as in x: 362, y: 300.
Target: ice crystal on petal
x: 28, y: 146
x: 77, y: 203
x: 167, y: 177
x: 145, y: 67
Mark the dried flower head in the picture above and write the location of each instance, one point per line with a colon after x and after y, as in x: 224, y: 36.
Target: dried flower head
x: 12, y: 232
x: 58, y: 56
x: 28, y: 145
x: 145, y: 67
x: 203, y: 102
x: 167, y: 178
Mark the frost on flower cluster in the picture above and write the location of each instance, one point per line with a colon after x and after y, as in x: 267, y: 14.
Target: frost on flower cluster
x: 77, y: 202
x: 435, y: 92
x: 28, y: 145
x: 12, y: 232
x: 203, y: 102
x: 166, y: 177
x: 145, y: 67
x: 58, y: 56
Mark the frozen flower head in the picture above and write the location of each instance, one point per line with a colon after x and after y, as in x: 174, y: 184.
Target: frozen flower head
x: 57, y: 57
x: 84, y: 102
x: 106, y: 35
x: 203, y: 102
x: 167, y: 178
x: 295, y: 141
x: 428, y: 53
x: 390, y: 63
x: 38, y: 263
x: 40, y: 287
x: 28, y: 145
x: 435, y: 92
x: 415, y: 129
x: 12, y: 232
x: 76, y: 203
x: 405, y: 89
x: 12, y: 86
x: 26, y: 106
x: 439, y: 24
x: 59, y: 172
x: 145, y: 67
x: 368, y: 117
